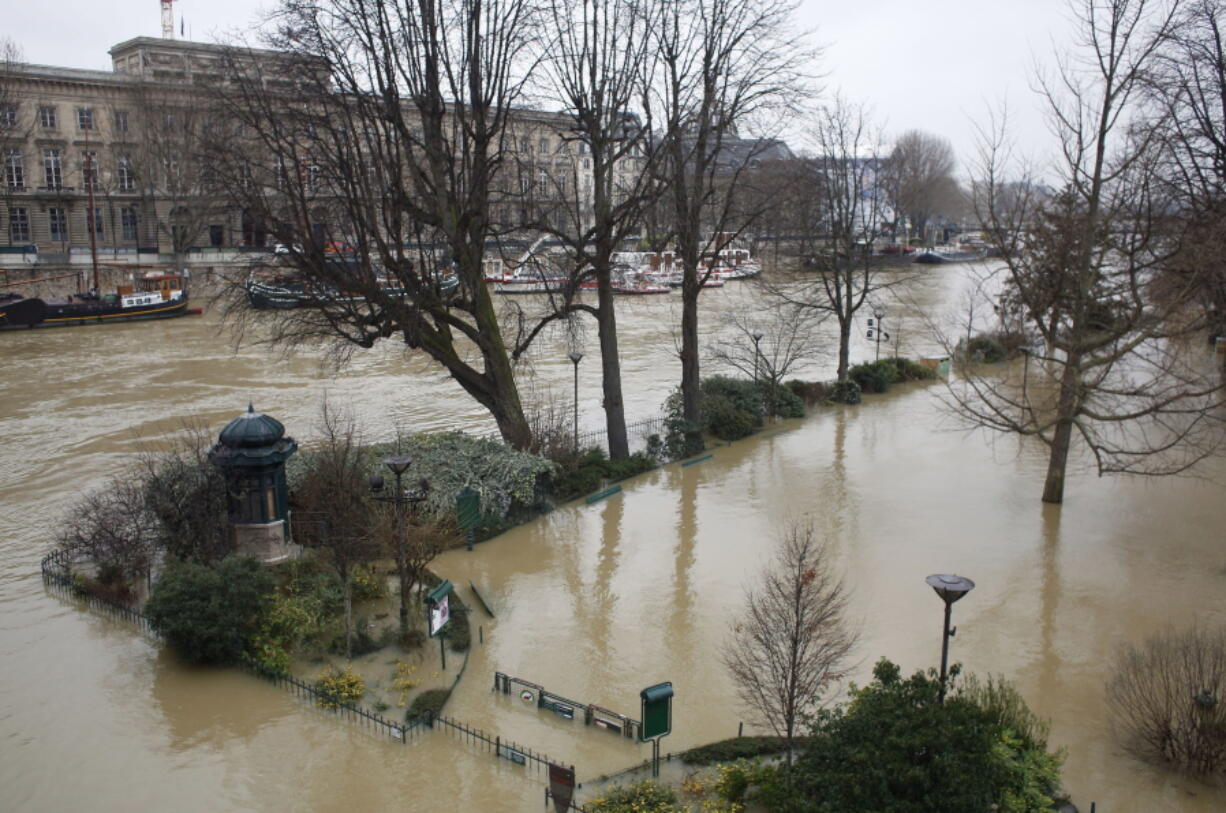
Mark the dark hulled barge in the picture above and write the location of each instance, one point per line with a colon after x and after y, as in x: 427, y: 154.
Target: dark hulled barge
x: 155, y: 296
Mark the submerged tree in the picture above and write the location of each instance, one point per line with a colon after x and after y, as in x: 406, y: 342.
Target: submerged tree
x: 725, y: 67
x: 919, y: 179
x: 843, y: 180
x: 1111, y: 362
x: 333, y: 516
x: 385, y: 127
x: 598, y: 61
x: 793, y: 639
x: 1186, y: 92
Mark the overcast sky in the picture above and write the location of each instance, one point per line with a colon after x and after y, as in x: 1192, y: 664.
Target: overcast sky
x: 934, y: 66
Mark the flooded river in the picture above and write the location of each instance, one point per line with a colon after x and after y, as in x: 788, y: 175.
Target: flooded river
x: 595, y: 602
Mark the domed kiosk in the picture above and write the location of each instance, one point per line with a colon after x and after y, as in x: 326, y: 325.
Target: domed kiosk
x: 251, y: 453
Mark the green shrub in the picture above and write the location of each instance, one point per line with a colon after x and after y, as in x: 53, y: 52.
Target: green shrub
x: 726, y: 421
x: 585, y: 473
x: 733, y: 749
x: 734, y: 779
x: 285, y: 625
x: 209, y: 615
x: 645, y: 797
x: 1004, y: 704
x: 907, y: 370
x: 743, y: 394
x: 844, y: 392
x: 875, y: 377
x: 427, y: 705
x: 367, y: 584
x: 681, y: 437
x: 503, y: 476
x: 985, y: 349
x: 311, y: 580
x: 897, y: 748
x: 782, y: 401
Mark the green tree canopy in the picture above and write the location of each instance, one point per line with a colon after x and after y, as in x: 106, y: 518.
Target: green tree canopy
x: 897, y: 749
x: 208, y: 615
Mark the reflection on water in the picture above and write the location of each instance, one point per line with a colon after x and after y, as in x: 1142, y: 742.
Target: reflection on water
x: 593, y: 601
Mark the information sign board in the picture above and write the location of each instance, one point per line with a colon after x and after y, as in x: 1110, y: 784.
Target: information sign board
x: 657, y: 711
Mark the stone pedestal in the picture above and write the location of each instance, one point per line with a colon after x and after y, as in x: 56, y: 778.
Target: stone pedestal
x: 265, y: 542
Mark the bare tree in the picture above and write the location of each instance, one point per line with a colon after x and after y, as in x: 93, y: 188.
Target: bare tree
x: 16, y: 122
x: 113, y: 528
x: 920, y: 179
x: 333, y: 516
x: 187, y: 497
x: 413, y: 546
x: 767, y: 343
x: 843, y: 178
x: 1186, y: 90
x: 793, y: 639
x: 1111, y: 359
x: 725, y: 67
x: 1166, y: 699
x: 386, y: 128
x: 598, y: 61
x: 167, y: 164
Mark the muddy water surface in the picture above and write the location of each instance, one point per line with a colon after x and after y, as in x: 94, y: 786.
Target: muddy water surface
x: 594, y: 602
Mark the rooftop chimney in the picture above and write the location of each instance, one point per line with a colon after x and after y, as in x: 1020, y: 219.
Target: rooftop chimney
x: 168, y: 19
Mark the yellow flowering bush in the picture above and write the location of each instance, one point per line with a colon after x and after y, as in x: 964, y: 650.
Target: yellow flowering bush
x: 340, y: 687
x: 403, y: 682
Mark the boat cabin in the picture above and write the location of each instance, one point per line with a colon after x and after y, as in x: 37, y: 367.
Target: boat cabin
x: 165, y: 284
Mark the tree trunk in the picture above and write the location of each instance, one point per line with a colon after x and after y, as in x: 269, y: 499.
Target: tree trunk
x: 496, y: 389
x: 348, y: 615
x: 691, y: 384
x: 402, y: 573
x: 1053, y: 488
x: 844, y: 348
x: 610, y: 368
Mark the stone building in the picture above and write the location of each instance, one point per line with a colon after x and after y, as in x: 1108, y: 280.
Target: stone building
x: 126, y: 133
x: 130, y: 136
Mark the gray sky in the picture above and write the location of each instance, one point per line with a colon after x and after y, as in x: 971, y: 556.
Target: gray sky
x: 934, y: 66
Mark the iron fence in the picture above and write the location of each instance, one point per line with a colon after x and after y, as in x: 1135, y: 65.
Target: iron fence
x: 354, y: 713
x: 495, y: 744
x: 637, y: 432
x: 57, y: 574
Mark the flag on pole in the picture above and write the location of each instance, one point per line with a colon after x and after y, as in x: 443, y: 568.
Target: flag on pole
x: 180, y: 26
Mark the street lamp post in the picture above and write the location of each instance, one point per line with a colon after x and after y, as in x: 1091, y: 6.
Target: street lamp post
x: 950, y: 588
x: 879, y: 315
x: 399, y: 464
x: 575, y: 357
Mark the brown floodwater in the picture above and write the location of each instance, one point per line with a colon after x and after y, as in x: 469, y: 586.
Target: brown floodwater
x: 593, y: 601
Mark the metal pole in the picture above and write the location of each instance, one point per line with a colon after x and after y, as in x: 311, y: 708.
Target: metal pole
x: 442, y: 650
x: 575, y: 357
x: 400, y: 551
x: 91, y: 218
x: 1025, y: 376
x: 878, y: 358
x: 945, y: 649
